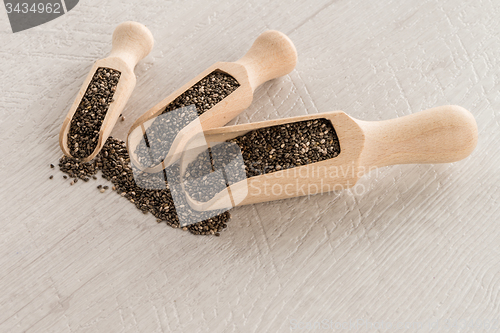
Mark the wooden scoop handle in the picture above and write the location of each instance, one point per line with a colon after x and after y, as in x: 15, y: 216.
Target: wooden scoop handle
x: 132, y: 41
x: 272, y: 55
x: 439, y: 135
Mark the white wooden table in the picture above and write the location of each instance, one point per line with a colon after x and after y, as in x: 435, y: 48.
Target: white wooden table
x: 421, y: 244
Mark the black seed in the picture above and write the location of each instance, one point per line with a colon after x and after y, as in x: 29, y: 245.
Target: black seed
x: 86, y: 123
x: 157, y: 202
x: 287, y: 146
x: 198, y: 99
x: 114, y: 161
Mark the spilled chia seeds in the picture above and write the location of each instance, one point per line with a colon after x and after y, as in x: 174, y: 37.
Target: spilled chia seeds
x: 114, y: 162
x: 265, y: 150
x: 86, y: 123
x: 195, y: 101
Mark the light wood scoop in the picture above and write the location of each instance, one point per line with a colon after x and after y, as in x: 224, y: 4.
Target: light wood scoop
x: 132, y: 41
x: 272, y: 55
x: 438, y: 135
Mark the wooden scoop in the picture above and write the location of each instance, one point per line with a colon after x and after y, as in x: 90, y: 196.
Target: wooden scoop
x: 272, y: 55
x: 439, y: 135
x: 132, y: 41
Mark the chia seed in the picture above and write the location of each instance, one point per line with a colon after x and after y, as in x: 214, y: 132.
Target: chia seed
x: 206, y: 93
x: 287, y: 146
x: 86, y: 122
x: 195, y: 101
x: 264, y: 150
x: 114, y: 163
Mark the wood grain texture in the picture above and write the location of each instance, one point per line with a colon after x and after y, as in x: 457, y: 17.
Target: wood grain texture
x: 414, y: 243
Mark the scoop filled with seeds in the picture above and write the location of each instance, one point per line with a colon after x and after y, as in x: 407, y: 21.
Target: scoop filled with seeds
x: 319, y: 153
x: 211, y: 99
x: 104, y: 93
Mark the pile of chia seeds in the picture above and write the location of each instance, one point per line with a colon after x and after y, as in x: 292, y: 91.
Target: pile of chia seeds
x: 114, y: 163
x: 86, y: 122
x: 287, y: 146
x: 201, y: 97
x: 264, y: 150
